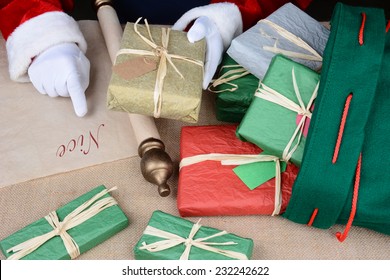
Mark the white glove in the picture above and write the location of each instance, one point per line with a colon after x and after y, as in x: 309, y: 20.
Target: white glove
x: 218, y: 23
x: 205, y: 28
x: 62, y: 70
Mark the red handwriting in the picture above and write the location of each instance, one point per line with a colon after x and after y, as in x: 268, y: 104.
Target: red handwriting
x: 82, y: 144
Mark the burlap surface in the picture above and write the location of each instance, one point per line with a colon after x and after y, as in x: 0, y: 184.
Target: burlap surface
x: 274, y: 237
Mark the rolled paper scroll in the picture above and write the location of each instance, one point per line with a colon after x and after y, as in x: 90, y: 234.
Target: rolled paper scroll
x: 144, y: 127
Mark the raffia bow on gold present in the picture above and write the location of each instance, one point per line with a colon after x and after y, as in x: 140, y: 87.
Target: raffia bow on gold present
x: 164, y: 55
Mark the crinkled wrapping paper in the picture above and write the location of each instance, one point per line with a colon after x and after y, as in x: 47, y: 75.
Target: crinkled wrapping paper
x: 211, y: 189
x: 232, y: 105
x: 270, y: 125
x: 247, y: 49
x: 182, y: 227
x: 87, y: 235
x: 181, y: 97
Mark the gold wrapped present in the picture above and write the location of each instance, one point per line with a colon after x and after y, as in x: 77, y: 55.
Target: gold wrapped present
x: 157, y: 72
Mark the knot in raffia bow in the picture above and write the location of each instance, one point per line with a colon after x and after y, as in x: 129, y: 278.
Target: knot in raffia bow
x: 172, y: 240
x: 164, y: 55
x: 161, y: 51
x: 82, y: 213
x: 273, y: 96
x: 237, y: 159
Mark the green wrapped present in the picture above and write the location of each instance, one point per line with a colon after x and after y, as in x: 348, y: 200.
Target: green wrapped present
x: 278, y: 118
x: 235, y: 88
x: 172, y: 238
x: 157, y: 74
x: 70, y: 230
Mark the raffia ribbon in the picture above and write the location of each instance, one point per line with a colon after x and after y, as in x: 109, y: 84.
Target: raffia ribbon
x: 273, y: 96
x: 78, y: 216
x: 162, y: 53
x: 235, y: 159
x: 172, y: 240
x: 235, y: 73
x: 295, y: 40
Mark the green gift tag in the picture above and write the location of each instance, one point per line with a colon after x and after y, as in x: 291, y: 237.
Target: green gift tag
x: 257, y: 173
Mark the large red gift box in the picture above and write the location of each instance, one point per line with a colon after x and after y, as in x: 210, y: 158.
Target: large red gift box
x: 209, y: 188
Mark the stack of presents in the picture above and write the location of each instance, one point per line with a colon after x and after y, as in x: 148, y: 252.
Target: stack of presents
x: 306, y: 136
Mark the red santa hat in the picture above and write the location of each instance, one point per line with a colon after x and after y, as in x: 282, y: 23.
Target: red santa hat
x: 36, y: 35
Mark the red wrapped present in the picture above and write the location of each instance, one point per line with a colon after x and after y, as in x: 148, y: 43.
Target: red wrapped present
x: 208, y: 188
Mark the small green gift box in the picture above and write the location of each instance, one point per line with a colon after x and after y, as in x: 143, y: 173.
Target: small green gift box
x: 172, y: 238
x: 70, y: 230
x: 279, y: 116
x: 234, y: 88
x: 157, y: 74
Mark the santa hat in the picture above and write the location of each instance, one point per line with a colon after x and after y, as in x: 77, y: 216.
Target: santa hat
x: 36, y: 35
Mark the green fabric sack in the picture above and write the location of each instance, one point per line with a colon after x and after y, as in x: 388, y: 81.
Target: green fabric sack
x: 272, y: 126
x: 86, y: 235
x: 182, y: 228
x: 342, y: 179
x: 233, y: 96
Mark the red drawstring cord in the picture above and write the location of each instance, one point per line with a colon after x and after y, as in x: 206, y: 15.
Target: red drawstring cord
x: 341, y: 129
x: 313, y: 216
x: 342, y: 236
x: 388, y: 26
x: 361, y: 31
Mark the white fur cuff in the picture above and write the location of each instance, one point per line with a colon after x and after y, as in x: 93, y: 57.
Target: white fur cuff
x: 226, y: 16
x: 36, y: 35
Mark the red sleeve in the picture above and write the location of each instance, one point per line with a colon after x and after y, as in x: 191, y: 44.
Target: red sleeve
x: 254, y: 10
x: 15, y: 12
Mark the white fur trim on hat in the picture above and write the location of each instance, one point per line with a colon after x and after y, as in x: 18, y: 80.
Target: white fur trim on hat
x: 226, y: 16
x: 36, y: 35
